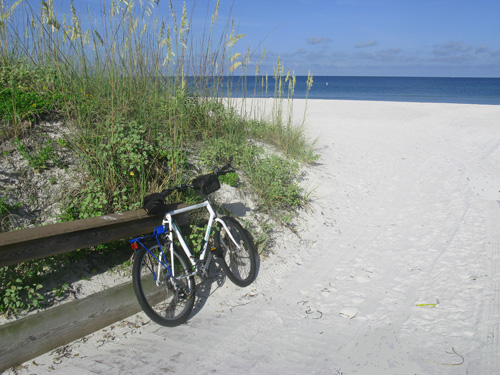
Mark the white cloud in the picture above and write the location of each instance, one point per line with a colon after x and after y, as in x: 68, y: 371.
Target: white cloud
x: 371, y: 43
x: 482, y: 49
x: 451, y: 48
x: 384, y: 55
x: 320, y: 40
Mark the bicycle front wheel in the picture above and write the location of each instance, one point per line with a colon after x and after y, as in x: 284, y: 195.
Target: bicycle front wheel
x: 165, y: 300
x: 237, y: 254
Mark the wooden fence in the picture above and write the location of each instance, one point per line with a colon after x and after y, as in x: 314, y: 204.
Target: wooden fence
x: 33, y: 335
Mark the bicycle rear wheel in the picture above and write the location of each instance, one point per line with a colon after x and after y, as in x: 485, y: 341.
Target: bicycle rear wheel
x: 165, y: 300
x: 238, y: 258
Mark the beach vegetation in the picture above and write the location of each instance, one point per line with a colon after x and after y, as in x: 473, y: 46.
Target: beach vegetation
x: 6, y: 207
x: 141, y: 100
x: 41, y: 155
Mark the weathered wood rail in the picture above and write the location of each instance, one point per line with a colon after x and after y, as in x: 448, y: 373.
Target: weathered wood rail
x: 34, y: 243
x: 33, y: 335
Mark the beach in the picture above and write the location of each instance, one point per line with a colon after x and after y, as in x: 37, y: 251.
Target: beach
x: 392, y: 268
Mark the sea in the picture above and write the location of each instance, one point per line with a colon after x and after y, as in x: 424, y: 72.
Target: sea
x: 398, y: 89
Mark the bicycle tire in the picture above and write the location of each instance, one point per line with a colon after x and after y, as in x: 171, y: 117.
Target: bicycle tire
x: 240, y: 265
x: 161, y: 303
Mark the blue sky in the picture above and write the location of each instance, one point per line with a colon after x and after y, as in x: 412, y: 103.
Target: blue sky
x: 445, y: 38
x: 377, y: 37
x: 374, y: 37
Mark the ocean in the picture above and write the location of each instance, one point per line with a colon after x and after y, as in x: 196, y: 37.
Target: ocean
x: 399, y: 89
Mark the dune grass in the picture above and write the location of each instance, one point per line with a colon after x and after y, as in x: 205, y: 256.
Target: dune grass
x: 142, y: 97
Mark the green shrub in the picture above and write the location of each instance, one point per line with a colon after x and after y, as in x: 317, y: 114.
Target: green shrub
x: 41, y: 156
x: 28, y: 93
x: 273, y: 178
x: 6, y: 208
x: 196, y: 237
x: 19, y: 287
x: 230, y: 179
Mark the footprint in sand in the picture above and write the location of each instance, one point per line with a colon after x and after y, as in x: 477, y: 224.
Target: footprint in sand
x: 361, y: 279
x: 485, y: 187
x: 378, y: 352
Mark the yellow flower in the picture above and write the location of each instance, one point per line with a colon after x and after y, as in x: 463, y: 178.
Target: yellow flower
x: 34, y: 105
x: 132, y: 173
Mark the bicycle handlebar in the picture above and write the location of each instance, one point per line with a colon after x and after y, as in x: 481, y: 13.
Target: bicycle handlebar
x: 181, y: 188
x: 228, y: 168
x: 154, y: 204
x: 225, y: 169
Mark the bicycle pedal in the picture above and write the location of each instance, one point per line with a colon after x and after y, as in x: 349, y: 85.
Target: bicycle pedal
x: 216, y: 252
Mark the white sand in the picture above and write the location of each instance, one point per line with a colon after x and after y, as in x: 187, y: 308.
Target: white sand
x: 395, y: 271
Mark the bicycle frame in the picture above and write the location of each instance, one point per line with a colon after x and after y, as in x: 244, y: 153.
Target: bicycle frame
x: 174, y: 229
x: 200, y: 264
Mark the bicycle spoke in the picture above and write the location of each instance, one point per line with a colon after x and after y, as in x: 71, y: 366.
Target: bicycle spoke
x: 237, y: 255
x: 166, y: 300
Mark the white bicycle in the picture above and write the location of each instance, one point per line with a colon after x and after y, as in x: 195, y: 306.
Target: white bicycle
x: 163, y: 274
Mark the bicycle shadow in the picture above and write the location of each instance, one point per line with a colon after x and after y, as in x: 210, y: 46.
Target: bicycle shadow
x: 206, y: 287
x: 237, y: 209
x: 216, y: 279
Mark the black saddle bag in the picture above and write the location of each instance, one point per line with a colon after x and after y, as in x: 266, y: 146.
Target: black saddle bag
x: 154, y: 204
x: 206, y: 184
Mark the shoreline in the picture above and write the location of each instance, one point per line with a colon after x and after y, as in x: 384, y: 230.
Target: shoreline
x: 362, y: 101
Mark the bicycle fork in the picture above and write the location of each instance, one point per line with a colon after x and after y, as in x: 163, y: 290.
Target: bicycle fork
x: 224, y: 225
